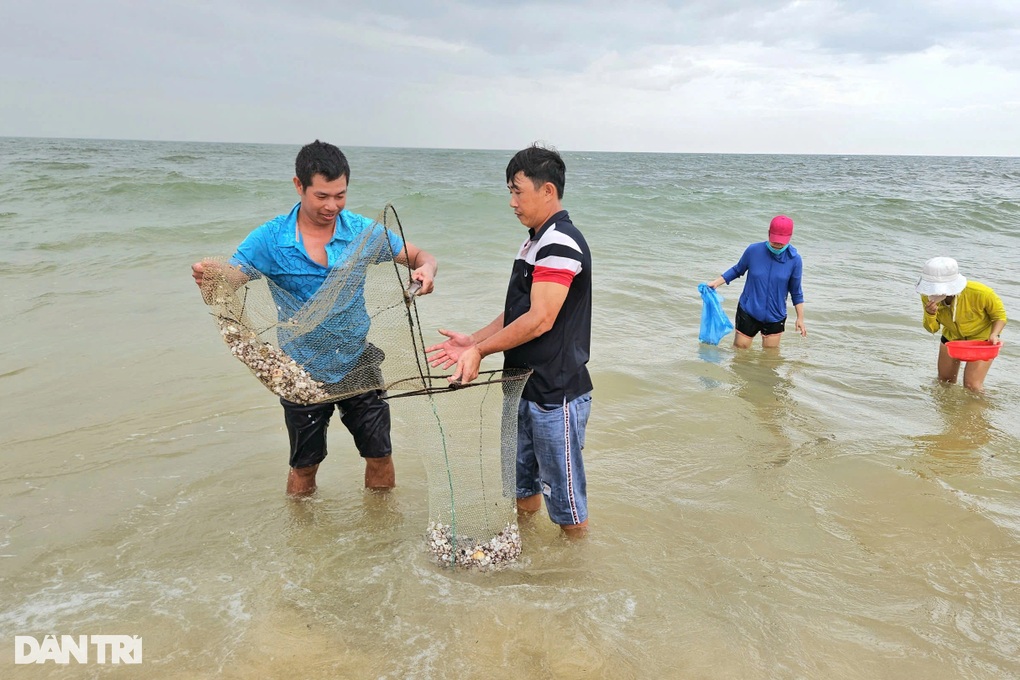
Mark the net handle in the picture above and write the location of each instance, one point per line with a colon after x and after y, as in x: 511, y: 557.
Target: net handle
x: 492, y: 380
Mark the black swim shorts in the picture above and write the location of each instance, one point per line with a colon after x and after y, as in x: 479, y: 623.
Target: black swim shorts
x: 750, y: 326
x: 366, y: 416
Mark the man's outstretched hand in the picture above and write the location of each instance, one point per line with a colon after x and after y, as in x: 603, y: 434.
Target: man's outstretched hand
x: 447, y: 353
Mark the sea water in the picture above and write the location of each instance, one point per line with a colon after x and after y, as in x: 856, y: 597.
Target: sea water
x: 827, y: 511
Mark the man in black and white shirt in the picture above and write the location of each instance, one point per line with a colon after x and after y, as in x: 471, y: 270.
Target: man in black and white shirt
x: 546, y: 327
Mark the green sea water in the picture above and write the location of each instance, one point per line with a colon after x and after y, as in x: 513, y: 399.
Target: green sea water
x: 826, y: 512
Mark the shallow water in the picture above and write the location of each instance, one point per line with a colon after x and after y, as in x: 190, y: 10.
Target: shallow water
x: 827, y: 511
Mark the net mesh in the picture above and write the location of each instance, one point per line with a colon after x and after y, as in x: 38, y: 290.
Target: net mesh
x: 469, y: 450
x: 360, y: 331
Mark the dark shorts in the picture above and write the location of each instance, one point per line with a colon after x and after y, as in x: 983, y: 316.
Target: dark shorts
x: 945, y: 339
x: 366, y: 416
x: 750, y: 326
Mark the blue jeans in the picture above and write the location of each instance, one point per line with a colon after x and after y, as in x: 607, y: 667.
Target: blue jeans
x: 549, y: 443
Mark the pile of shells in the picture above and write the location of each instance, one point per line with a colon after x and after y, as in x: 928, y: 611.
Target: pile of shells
x: 501, y: 549
x: 277, y: 371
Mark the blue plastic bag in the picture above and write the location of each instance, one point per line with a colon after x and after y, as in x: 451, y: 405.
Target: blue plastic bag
x: 714, y: 322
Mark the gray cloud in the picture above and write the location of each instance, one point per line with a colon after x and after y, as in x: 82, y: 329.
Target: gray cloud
x: 564, y: 32
x: 620, y: 75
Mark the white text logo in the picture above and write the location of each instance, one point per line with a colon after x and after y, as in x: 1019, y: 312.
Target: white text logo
x: 106, y: 648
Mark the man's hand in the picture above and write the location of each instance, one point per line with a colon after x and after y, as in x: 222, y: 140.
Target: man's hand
x: 425, y: 275
x: 801, y: 328
x: 448, y: 353
x: 424, y: 266
x: 199, y: 269
x: 209, y: 274
x: 205, y: 273
x: 467, y: 366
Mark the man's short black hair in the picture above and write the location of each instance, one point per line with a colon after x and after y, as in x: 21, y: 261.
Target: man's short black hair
x: 540, y: 165
x: 320, y: 158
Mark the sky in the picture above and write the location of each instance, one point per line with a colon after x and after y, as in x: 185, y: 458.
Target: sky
x: 927, y: 77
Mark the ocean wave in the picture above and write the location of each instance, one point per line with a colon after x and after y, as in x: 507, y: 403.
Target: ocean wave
x: 30, y: 268
x: 182, y: 158
x: 38, y: 166
x: 176, y: 188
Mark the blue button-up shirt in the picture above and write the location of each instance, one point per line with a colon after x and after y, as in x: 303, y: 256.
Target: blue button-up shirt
x: 329, y: 343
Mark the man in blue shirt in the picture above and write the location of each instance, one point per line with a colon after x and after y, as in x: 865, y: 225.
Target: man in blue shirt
x: 297, y: 251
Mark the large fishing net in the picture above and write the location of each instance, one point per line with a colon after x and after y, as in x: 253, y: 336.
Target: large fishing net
x: 361, y: 331
x: 469, y: 453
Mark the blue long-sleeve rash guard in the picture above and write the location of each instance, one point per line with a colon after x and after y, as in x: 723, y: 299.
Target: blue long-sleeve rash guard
x: 770, y: 278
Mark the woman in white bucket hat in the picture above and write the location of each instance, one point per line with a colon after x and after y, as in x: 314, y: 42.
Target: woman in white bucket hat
x: 963, y: 310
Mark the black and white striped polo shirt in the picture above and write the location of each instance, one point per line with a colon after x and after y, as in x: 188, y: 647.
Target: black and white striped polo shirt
x: 557, y: 253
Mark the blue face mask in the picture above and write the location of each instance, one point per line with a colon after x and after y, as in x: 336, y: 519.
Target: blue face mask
x: 776, y: 251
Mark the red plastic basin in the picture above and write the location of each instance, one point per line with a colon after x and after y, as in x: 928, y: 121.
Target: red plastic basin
x: 972, y: 350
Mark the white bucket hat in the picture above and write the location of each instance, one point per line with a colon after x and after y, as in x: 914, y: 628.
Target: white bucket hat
x: 940, y: 276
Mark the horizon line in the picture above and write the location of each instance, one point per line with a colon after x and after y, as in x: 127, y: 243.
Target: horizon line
x: 508, y: 150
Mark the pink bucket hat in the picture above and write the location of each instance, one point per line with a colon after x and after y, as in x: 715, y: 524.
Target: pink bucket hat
x: 780, y: 229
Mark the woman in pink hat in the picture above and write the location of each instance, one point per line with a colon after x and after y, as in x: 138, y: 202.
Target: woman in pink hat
x: 963, y: 310
x: 774, y: 270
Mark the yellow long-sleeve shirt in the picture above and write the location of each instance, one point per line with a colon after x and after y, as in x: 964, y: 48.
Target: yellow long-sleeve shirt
x: 970, y: 315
